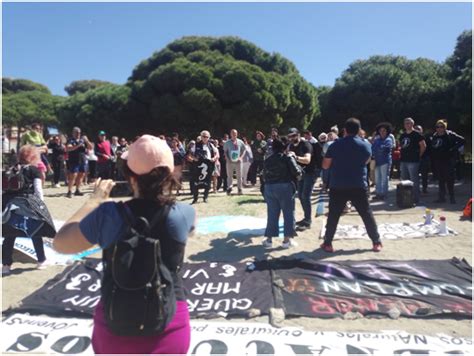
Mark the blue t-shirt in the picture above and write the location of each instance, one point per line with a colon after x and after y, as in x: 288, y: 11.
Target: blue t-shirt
x: 382, y: 151
x: 105, y: 225
x: 349, y: 159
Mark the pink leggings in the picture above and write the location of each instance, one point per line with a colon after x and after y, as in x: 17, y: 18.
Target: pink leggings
x: 174, y: 339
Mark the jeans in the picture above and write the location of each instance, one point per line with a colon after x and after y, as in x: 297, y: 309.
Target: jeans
x: 410, y: 171
x: 231, y: 167
x: 7, y: 249
x: 337, y: 202
x: 280, y: 197
x: 381, y: 179
x: 305, y: 189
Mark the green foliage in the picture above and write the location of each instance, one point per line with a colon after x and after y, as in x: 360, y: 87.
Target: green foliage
x: 389, y: 88
x: 97, y: 109
x: 460, y: 64
x: 81, y: 86
x: 220, y: 83
x: 25, y: 107
x: 12, y: 86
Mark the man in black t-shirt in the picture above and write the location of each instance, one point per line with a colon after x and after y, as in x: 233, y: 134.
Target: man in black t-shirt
x: 413, y: 146
x: 76, y: 165
x: 302, y: 151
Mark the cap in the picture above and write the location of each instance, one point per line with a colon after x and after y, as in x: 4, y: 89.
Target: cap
x: 101, y: 132
x: 293, y: 131
x: 147, y: 153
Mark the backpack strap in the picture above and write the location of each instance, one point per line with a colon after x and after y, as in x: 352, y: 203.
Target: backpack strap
x: 131, y: 220
x: 160, y: 217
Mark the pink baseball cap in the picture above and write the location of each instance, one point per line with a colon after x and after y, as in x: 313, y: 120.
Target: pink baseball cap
x: 148, y: 152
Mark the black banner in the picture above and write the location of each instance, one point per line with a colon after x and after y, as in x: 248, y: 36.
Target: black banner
x: 212, y: 289
x: 201, y: 173
x: 418, y: 289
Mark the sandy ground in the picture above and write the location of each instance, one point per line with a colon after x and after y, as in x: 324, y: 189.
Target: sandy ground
x: 225, y: 247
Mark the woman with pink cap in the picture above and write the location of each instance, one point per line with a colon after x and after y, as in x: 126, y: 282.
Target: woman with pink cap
x: 149, y: 170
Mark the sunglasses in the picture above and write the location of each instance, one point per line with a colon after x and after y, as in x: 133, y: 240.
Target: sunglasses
x: 440, y: 127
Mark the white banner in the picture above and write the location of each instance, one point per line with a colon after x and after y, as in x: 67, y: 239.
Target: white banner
x: 388, y: 231
x: 22, y: 333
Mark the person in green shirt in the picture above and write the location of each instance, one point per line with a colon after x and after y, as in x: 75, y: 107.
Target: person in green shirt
x: 35, y: 137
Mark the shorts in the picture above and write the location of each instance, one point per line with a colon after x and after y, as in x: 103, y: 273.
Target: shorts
x: 76, y: 167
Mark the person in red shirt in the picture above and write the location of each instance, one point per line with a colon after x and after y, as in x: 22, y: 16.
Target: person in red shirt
x: 104, y: 154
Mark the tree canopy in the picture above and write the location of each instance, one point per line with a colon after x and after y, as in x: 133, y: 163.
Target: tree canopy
x: 81, y: 86
x: 220, y: 83
x: 12, y: 86
x: 97, y: 109
x: 25, y: 107
x: 460, y: 64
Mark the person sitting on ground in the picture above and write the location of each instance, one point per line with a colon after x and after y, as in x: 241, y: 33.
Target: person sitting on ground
x: 280, y: 173
x: 348, y: 157
x: 149, y: 170
x: 23, y: 210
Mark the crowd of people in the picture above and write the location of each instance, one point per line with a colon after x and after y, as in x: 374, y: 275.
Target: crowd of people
x: 288, y: 165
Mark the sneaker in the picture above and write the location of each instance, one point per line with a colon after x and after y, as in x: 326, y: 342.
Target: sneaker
x: 78, y: 193
x: 377, y: 247
x: 228, y: 191
x: 267, y: 244
x: 204, y: 200
x: 42, y: 265
x: 290, y: 243
x: 301, y: 222
x: 240, y: 192
x: 452, y: 200
x: 69, y: 194
x: 303, y: 227
x: 57, y: 185
x: 327, y: 248
x: 194, y: 201
x: 6, y: 270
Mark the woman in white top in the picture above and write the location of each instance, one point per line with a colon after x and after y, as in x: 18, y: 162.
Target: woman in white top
x: 91, y: 164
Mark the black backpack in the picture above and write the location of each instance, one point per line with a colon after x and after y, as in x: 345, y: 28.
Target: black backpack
x: 137, y: 288
x: 14, y: 180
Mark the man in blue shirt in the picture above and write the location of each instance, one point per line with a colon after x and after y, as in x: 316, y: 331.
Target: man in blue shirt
x: 348, y: 157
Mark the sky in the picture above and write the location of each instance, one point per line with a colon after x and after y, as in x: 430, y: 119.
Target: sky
x: 56, y: 43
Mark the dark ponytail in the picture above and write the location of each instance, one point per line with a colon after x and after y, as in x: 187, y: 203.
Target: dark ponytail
x: 157, y: 185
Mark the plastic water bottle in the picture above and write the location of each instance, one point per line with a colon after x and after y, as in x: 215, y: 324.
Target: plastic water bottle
x: 428, y: 217
x: 443, y: 229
